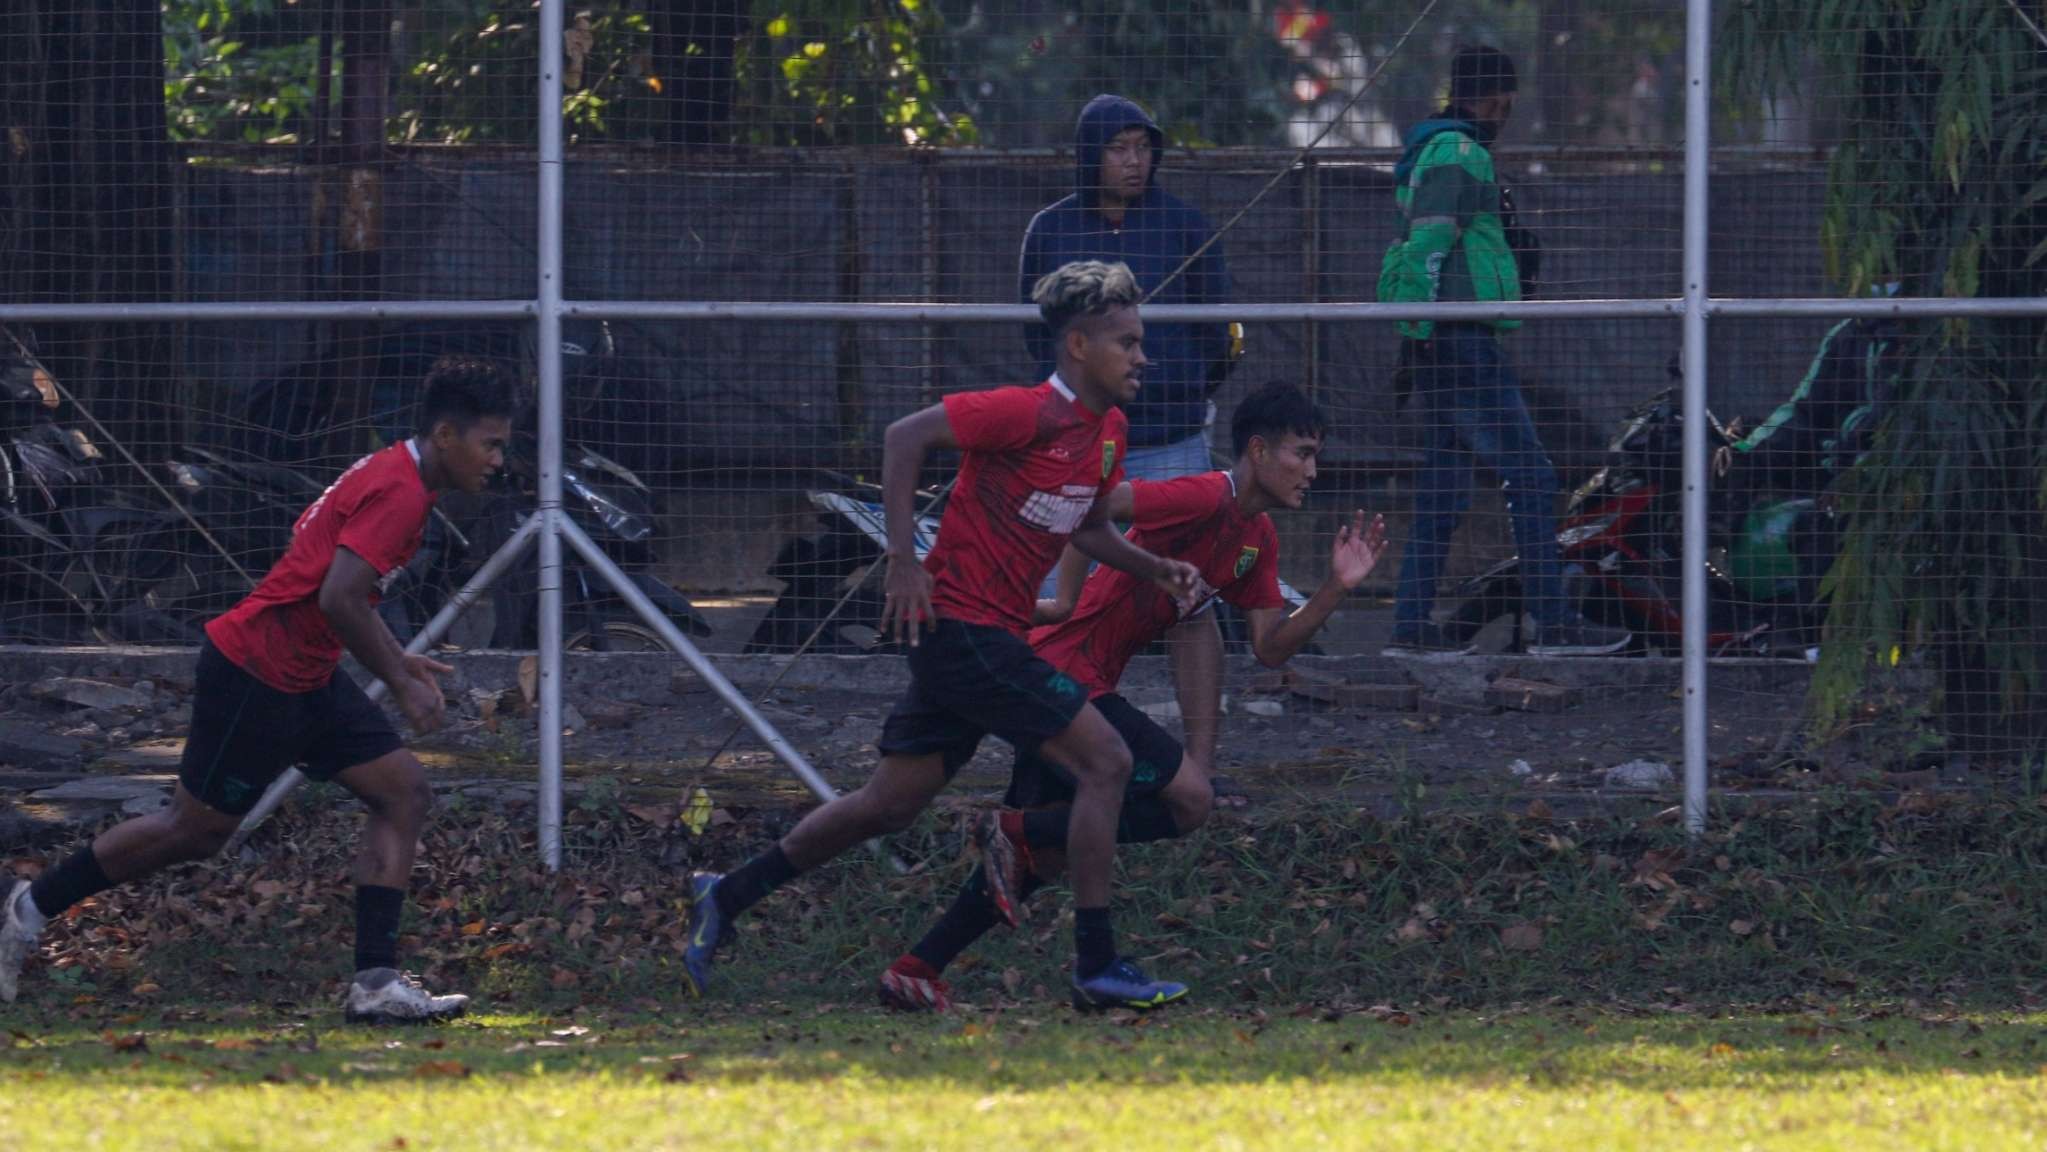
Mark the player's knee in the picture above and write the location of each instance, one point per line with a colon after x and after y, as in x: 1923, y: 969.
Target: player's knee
x: 1190, y: 807
x: 1107, y: 766
x: 418, y: 798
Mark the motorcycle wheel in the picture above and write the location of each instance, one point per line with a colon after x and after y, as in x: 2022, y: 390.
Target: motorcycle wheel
x: 617, y: 636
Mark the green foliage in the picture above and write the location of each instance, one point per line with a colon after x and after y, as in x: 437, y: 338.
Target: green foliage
x: 238, y: 70
x: 845, y: 72
x: 1937, y: 183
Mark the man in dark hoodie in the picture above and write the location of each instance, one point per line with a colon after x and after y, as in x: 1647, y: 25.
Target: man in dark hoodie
x: 1460, y: 244
x: 1120, y: 215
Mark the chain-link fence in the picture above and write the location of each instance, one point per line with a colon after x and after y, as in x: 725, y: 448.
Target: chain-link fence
x: 238, y: 232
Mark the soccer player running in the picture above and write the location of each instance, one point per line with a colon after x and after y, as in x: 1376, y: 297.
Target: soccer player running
x: 1034, y: 461
x: 268, y: 697
x: 1216, y: 521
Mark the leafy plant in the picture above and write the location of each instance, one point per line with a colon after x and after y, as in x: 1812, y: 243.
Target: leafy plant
x: 1937, y: 184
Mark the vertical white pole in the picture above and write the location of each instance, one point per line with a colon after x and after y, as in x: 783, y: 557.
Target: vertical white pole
x: 1698, y: 159
x: 547, y: 356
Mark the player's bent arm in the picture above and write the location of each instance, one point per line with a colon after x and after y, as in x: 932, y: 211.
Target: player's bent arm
x: 1097, y: 539
x: 903, y: 450
x: 1277, y: 635
x: 345, y: 601
x: 1071, y: 574
x: 1068, y: 578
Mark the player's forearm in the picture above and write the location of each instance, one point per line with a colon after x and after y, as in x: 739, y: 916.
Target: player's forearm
x: 1072, y: 573
x: 1297, y: 629
x: 1102, y: 543
x: 903, y: 450
x: 366, y: 637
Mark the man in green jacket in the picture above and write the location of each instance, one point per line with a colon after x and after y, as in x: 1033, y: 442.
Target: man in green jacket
x: 1456, y: 247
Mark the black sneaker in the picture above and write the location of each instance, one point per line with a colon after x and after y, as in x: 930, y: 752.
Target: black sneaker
x: 1427, y: 636
x: 1576, y: 636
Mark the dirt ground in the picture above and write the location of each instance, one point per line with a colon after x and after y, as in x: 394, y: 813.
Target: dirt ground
x: 655, y: 731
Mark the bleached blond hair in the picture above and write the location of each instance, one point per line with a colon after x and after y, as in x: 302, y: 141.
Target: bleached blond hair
x: 1083, y: 288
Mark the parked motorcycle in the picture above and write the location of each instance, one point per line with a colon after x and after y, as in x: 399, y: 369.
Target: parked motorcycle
x: 1620, y: 542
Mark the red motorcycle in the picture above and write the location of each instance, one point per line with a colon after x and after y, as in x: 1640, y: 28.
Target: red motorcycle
x: 1620, y: 543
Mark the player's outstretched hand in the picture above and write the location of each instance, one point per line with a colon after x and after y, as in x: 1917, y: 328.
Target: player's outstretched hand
x: 906, y: 613
x: 1358, y: 549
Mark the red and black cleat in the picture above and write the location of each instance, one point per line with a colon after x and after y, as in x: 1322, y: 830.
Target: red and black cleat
x: 1005, y: 860
x: 910, y: 985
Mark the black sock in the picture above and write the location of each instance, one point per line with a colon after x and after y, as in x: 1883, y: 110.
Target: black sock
x: 969, y: 917
x: 78, y: 877
x: 377, y: 912
x: 1142, y: 820
x: 746, y: 885
x: 1094, y: 941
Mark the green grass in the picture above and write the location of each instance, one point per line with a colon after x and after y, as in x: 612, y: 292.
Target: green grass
x: 1839, y: 973
x: 821, y: 1077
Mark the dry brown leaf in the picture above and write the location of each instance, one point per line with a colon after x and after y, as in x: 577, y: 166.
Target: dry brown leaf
x: 1521, y: 936
x: 474, y: 928
x: 441, y: 1070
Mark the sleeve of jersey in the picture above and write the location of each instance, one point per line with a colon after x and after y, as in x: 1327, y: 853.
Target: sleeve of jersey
x: 380, y: 525
x: 1156, y: 504
x: 1260, y: 586
x: 998, y: 420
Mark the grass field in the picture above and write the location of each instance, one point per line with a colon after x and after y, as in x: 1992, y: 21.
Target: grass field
x: 851, y: 1077
x: 1847, y: 973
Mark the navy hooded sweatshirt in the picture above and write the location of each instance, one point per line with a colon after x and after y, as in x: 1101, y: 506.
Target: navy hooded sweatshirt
x: 1158, y: 233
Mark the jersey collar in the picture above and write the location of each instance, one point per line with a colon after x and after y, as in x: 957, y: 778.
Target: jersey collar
x: 1060, y: 387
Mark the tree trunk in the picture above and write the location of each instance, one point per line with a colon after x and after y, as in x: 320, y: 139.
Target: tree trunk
x: 88, y: 197
x: 359, y: 238
x: 694, y: 45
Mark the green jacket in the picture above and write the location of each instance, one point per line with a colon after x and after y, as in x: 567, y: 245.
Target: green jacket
x: 1454, y: 245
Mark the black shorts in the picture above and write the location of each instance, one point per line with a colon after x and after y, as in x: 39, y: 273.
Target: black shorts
x: 1154, y: 760
x: 968, y: 680
x: 246, y: 733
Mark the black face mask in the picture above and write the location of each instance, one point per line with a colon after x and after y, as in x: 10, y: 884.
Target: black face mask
x: 1483, y: 132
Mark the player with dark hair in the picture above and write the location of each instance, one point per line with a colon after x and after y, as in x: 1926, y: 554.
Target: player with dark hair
x: 1462, y: 241
x: 1217, y: 522
x: 269, y: 696
x: 1034, y: 461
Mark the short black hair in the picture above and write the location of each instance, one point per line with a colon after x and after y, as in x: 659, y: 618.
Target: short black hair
x: 1478, y: 71
x: 1272, y: 411
x: 462, y: 390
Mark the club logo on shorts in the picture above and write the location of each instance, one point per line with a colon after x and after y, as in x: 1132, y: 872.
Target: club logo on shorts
x: 1108, y: 458
x: 1245, y: 560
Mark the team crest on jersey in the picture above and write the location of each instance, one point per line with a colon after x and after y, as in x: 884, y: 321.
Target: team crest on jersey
x: 1245, y: 559
x: 1108, y: 458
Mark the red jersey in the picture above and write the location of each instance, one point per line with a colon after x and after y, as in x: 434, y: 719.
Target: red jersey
x: 1195, y: 519
x: 377, y: 510
x: 1034, y: 459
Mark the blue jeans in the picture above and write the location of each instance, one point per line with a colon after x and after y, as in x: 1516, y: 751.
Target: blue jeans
x: 1472, y: 412
x: 1187, y: 457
